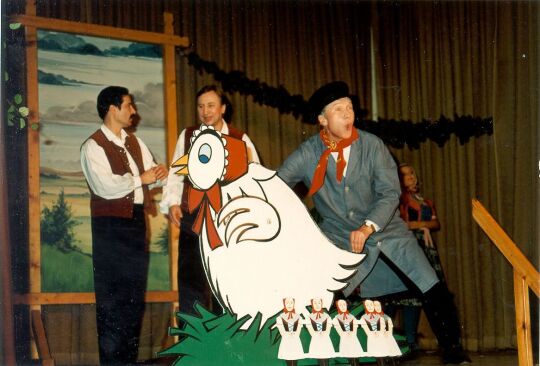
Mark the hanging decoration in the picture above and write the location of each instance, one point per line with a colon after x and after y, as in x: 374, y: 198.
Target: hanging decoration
x: 396, y: 133
x: 400, y: 133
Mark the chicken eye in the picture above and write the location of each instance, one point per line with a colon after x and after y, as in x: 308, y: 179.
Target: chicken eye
x: 205, y: 153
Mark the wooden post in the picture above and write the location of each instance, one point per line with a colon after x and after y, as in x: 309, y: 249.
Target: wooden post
x: 38, y: 330
x: 523, y: 320
x: 34, y: 208
x: 171, y: 114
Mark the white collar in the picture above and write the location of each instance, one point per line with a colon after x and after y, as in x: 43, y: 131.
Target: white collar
x: 224, y: 128
x: 112, y: 137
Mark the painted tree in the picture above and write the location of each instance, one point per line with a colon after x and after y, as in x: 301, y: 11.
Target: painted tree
x: 163, y: 240
x: 57, y: 225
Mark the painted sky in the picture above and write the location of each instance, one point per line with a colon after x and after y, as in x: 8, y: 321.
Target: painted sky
x: 73, y: 69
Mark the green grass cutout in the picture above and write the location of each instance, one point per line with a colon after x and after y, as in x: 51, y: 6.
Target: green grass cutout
x: 210, y: 339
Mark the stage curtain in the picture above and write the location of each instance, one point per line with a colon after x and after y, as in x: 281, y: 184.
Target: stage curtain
x: 479, y: 59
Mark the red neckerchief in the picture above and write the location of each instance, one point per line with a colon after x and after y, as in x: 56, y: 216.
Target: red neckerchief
x: 319, y: 314
x: 370, y: 314
x: 205, y: 199
x: 332, y: 146
x: 290, y: 314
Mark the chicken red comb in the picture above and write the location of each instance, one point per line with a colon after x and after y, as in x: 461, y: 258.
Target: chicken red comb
x: 237, y: 159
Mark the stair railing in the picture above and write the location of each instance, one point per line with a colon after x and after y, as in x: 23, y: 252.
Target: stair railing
x: 525, y: 277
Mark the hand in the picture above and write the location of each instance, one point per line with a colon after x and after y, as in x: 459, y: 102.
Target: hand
x: 175, y: 215
x: 153, y: 174
x: 161, y: 172
x: 358, y: 238
x: 428, y: 241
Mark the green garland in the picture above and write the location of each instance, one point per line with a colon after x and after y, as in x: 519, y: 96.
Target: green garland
x: 396, y: 133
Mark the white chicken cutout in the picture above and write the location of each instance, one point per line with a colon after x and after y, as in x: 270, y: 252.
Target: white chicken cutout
x: 257, y: 239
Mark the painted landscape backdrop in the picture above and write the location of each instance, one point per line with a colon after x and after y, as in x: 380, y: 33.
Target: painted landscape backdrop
x: 72, y: 70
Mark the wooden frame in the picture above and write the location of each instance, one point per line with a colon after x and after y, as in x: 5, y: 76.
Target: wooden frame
x: 525, y: 277
x: 168, y: 41
x: 38, y: 330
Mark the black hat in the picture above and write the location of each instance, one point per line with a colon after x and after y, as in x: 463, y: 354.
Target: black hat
x: 323, y: 96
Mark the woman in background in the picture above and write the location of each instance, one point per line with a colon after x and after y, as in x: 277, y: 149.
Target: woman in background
x: 421, y: 217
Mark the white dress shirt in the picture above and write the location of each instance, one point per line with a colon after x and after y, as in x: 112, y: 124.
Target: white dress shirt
x: 98, y: 171
x: 172, y: 191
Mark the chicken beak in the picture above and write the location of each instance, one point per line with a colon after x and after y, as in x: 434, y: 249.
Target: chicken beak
x: 181, y: 163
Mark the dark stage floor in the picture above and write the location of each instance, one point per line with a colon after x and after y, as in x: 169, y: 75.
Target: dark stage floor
x: 430, y: 358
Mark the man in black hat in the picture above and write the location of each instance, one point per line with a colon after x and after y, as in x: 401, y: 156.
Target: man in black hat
x: 355, y: 187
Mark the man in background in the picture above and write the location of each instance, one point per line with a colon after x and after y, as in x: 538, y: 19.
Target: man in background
x: 192, y: 282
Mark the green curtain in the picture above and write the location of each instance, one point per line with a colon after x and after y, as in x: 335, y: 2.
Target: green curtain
x: 480, y: 59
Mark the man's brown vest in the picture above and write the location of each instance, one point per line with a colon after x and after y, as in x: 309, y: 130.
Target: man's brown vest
x: 118, y: 160
x: 233, y: 132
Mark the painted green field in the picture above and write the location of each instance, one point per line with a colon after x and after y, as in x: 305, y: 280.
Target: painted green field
x: 72, y: 272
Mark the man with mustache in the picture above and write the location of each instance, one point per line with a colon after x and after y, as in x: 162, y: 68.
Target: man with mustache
x: 119, y: 170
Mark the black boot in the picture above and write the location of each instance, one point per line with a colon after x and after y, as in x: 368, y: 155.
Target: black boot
x: 455, y: 355
x: 442, y: 315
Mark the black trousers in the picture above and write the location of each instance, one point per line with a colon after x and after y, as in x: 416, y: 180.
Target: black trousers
x: 120, y: 259
x: 193, y: 285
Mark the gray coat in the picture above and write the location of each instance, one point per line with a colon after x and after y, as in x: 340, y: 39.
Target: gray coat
x: 369, y: 191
